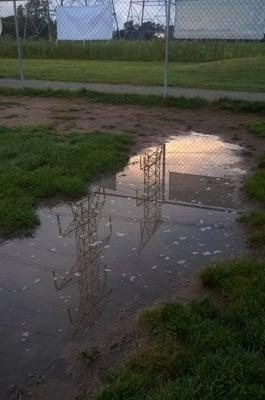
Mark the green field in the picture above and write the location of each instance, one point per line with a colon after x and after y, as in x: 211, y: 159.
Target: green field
x: 235, y: 74
x: 126, y: 50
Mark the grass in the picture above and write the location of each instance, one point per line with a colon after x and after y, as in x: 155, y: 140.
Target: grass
x: 256, y: 224
x: 235, y: 74
x: 257, y: 129
x: 255, y: 184
x: 183, y: 51
x: 38, y: 164
x: 256, y: 107
x: 120, y: 50
x: 212, y: 348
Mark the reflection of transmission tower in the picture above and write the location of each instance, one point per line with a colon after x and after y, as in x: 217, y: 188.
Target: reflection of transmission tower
x: 141, y: 11
x: 89, y: 266
x: 152, y: 196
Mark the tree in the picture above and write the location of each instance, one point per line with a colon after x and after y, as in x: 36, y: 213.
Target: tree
x: 34, y: 21
x: 147, y: 31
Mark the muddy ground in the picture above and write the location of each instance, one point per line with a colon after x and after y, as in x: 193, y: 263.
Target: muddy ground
x: 144, y: 123
x: 147, y: 125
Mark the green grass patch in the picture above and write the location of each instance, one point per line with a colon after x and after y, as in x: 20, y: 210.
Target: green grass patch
x: 125, y: 50
x: 233, y: 74
x: 255, y: 184
x: 256, y: 223
x: 209, y: 349
x: 241, y: 106
x: 257, y: 129
x: 38, y: 164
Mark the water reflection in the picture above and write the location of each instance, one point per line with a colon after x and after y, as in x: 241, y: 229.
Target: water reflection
x: 134, y: 236
x: 89, y: 269
x: 152, y: 195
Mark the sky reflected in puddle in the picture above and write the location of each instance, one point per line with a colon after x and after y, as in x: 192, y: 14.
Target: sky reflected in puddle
x: 133, y: 239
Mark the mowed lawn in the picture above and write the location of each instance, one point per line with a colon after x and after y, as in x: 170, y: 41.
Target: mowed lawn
x: 236, y: 74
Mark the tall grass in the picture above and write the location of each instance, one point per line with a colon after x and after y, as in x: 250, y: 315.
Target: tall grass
x: 123, y: 50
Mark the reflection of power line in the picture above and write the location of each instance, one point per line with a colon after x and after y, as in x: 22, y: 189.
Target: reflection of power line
x: 152, y: 195
x: 89, y: 266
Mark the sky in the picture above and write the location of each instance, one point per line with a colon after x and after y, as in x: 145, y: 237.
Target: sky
x: 121, y: 7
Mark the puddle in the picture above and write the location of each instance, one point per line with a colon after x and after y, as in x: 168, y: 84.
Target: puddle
x: 134, y: 239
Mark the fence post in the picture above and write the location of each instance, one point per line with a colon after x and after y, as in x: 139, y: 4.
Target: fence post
x: 19, y: 50
x: 168, y: 9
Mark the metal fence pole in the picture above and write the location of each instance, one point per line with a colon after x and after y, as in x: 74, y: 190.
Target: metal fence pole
x: 167, y: 38
x: 19, y: 50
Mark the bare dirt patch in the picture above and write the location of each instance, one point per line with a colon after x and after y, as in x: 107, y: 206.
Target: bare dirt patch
x: 146, y: 124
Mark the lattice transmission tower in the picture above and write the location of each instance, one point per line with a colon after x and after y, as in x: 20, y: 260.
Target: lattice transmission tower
x: 141, y: 11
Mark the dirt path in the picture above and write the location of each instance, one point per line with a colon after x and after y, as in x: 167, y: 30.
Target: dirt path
x: 174, y: 91
x: 153, y: 122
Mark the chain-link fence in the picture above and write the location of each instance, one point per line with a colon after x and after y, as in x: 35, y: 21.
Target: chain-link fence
x: 128, y: 41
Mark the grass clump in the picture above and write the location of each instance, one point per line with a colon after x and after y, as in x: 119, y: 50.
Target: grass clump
x: 255, y: 184
x: 209, y: 349
x: 256, y: 223
x: 38, y: 164
x: 258, y: 129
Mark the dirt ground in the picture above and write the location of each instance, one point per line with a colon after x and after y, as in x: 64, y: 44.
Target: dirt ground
x: 144, y: 123
x: 148, y: 125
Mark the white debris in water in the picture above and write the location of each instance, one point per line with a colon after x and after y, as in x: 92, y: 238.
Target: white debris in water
x: 207, y: 253
x: 120, y: 234
x: 195, y: 253
x: 132, y: 278
x: 154, y: 267
x: 134, y: 248
x: 24, y: 288
x: 175, y: 243
x: 167, y: 230
x: 25, y: 334
x: 217, y: 252
x: 107, y: 270
x: 36, y: 281
x: 77, y: 274
x: 181, y: 262
x: 95, y: 243
x: 107, y: 246
x: 53, y: 249
x: 167, y: 258
x: 183, y: 238
x: 206, y: 228
x: 32, y: 244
